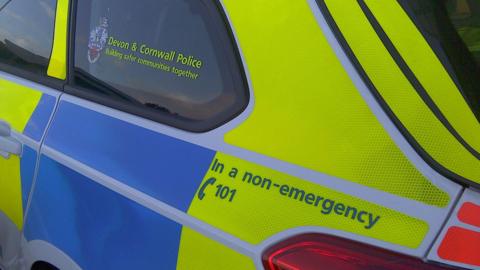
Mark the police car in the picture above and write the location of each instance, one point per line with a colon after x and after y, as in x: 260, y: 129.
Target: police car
x: 240, y: 134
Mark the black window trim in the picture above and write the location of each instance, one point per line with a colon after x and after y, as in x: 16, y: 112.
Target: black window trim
x: 47, y: 81
x: 234, y: 111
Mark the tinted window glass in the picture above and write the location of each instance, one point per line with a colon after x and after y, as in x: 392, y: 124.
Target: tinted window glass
x: 452, y: 28
x: 465, y: 16
x: 173, y: 57
x: 26, y: 34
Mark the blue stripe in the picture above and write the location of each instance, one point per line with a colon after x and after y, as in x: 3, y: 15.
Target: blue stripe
x: 165, y: 168
x: 27, y: 169
x: 96, y: 227
x: 38, y: 122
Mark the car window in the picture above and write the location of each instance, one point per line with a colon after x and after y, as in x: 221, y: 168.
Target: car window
x: 26, y: 34
x: 465, y: 17
x: 173, y: 58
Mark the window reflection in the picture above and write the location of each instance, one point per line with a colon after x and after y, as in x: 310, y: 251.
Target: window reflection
x: 26, y: 35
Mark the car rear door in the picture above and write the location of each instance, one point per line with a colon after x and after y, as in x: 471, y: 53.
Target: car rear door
x: 113, y: 186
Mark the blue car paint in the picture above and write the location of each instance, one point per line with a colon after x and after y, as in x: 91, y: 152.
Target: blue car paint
x: 27, y: 171
x: 168, y: 169
x: 97, y: 227
x: 38, y: 122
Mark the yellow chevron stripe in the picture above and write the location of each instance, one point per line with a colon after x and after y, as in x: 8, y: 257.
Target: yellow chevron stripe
x: 399, y: 94
x: 428, y: 69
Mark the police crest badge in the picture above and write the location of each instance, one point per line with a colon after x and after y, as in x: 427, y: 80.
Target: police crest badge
x: 98, y: 40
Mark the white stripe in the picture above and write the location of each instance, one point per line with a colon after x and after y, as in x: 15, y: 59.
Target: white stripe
x: 151, y: 203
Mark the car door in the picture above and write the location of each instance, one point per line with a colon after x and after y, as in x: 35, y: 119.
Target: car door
x: 27, y: 101
x: 112, y: 188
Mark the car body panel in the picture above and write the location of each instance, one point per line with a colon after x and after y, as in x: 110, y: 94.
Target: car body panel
x: 27, y: 107
x: 105, y: 189
x: 459, y: 242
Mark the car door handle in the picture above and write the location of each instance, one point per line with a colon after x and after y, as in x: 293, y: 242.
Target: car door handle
x: 8, y: 144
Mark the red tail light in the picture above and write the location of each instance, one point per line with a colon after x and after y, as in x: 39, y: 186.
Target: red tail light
x: 322, y: 252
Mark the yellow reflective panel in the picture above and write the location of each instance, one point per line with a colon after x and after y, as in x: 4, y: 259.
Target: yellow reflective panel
x: 17, y: 104
x: 399, y: 94
x: 201, y: 253
x: 427, y: 68
x: 11, y: 190
x: 253, y: 203
x: 308, y: 111
x: 58, y: 61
